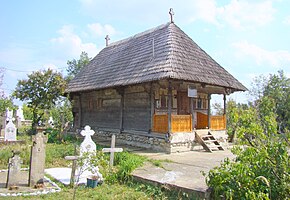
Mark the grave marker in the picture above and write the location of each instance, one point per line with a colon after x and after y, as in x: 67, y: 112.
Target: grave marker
x: 14, y: 166
x: 10, y: 128
x: 37, y: 158
x: 112, y: 150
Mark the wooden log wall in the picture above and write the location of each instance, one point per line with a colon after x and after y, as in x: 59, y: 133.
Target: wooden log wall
x: 137, y: 109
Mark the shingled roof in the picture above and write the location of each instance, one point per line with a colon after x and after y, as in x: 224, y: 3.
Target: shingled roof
x: 164, y: 52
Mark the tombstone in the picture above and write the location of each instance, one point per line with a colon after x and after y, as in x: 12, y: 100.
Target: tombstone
x: 14, y: 165
x: 88, y: 145
x: 19, y: 116
x: 10, y: 131
x: 9, y: 115
x: 112, y: 150
x: 37, y: 158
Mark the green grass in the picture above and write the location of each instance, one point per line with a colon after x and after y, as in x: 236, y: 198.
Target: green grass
x: 118, y: 182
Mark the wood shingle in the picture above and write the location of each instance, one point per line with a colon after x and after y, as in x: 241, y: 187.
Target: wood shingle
x: 164, y: 52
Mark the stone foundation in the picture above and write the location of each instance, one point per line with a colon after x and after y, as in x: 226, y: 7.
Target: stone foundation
x: 177, y: 142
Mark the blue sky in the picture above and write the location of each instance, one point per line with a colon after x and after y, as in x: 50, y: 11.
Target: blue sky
x: 247, y: 37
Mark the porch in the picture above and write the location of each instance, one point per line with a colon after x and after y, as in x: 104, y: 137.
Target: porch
x: 184, y: 123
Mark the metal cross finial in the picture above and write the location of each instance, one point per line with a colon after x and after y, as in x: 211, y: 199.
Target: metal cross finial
x: 107, y: 40
x: 171, y: 13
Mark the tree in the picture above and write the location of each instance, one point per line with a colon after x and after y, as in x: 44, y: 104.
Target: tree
x: 41, y: 91
x: 261, y: 170
x: 74, y: 66
x: 275, y: 87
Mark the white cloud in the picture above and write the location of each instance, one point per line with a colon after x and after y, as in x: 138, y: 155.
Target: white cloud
x: 243, y: 14
x: 101, y: 30
x: 287, y: 20
x: 71, y: 44
x: 279, y: 58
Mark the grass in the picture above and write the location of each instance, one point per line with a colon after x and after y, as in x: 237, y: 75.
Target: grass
x: 118, y: 183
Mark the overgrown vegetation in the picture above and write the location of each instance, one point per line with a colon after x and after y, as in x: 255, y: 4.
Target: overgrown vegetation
x: 261, y: 169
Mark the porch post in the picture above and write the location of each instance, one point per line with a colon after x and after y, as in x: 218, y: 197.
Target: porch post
x: 169, y: 106
x: 208, y: 110
x: 225, y: 105
x: 225, y: 110
x: 80, y: 111
x: 152, y: 107
x: 192, y: 113
x: 121, y: 92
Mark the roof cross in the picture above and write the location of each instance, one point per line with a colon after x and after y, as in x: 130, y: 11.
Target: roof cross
x: 107, y: 40
x: 171, y: 13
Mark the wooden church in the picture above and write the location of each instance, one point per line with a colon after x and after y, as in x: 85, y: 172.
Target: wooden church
x: 153, y: 90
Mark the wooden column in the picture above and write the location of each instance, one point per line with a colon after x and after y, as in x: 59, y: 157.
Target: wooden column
x: 169, y: 104
x: 121, y: 92
x: 225, y: 110
x: 152, y: 106
x: 80, y: 111
x: 192, y: 112
x: 225, y: 104
x: 208, y: 110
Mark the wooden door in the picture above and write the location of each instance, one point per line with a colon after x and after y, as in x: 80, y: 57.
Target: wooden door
x: 182, y: 103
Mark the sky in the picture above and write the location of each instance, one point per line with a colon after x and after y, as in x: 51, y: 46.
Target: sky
x: 247, y: 37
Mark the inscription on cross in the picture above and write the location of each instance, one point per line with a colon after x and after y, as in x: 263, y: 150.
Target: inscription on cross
x: 112, y: 150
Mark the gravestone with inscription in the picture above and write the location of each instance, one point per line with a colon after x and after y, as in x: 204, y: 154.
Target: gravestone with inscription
x: 14, y: 166
x: 37, y: 158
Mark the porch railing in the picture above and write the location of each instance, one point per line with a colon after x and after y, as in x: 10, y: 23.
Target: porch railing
x: 179, y: 123
x: 183, y: 123
x: 216, y: 122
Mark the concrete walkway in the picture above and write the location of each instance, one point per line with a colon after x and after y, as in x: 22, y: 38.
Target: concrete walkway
x: 181, y: 171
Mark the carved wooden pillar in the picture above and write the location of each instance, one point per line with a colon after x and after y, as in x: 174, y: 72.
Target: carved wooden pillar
x: 169, y: 104
x: 80, y: 111
x: 208, y: 110
x: 122, y: 93
x: 225, y: 104
x: 152, y: 106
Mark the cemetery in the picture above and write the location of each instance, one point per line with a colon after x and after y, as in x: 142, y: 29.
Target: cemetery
x: 136, y: 122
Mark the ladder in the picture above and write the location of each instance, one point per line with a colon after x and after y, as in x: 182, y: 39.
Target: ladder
x: 207, y: 140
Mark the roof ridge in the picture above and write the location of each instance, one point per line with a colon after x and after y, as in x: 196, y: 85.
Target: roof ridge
x: 151, y: 30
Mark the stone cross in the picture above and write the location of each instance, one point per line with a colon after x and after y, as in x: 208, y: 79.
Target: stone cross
x: 14, y: 166
x: 112, y: 150
x: 10, y: 131
x: 107, y: 40
x: 37, y: 158
x: 171, y: 13
x: 88, y: 145
x: 9, y: 115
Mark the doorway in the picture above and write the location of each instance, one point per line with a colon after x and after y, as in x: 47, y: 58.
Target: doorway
x: 183, y: 103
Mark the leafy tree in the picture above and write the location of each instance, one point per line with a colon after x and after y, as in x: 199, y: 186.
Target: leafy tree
x: 41, y: 91
x: 61, y: 113
x: 261, y: 169
x: 276, y: 88
x: 74, y: 66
